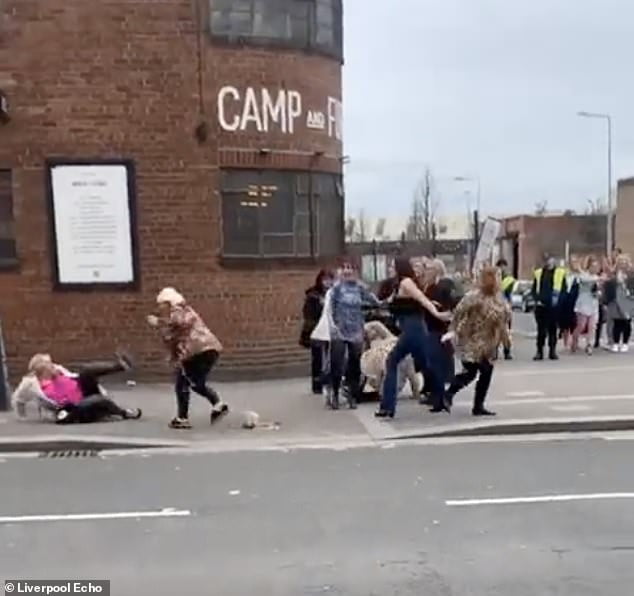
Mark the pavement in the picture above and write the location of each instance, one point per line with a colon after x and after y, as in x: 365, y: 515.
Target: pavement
x: 576, y: 393
x: 484, y: 518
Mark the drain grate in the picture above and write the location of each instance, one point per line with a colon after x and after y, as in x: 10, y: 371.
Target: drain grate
x: 70, y: 453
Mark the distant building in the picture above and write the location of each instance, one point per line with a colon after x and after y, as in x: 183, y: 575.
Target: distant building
x: 525, y: 239
x: 624, y: 238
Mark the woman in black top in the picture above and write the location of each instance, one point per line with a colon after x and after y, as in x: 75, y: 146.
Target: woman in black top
x: 313, y: 307
x: 409, y: 306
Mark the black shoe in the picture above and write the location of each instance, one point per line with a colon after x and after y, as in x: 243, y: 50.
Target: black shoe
x: 444, y: 407
x: 318, y: 391
x: 426, y: 400
x: 482, y: 412
x: 538, y: 357
x: 553, y: 356
x: 218, y: 411
x: 383, y: 414
x: 508, y: 356
x: 333, y: 402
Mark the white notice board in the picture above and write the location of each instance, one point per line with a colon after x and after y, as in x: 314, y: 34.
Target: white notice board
x: 92, y: 208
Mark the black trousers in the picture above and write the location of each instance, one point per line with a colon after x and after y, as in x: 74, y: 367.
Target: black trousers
x: 546, y: 319
x: 622, y: 331
x: 483, y: 370
x: 94, y: 406
x: 317, y: 352
x: 345, y: 360
x: 193, y: 374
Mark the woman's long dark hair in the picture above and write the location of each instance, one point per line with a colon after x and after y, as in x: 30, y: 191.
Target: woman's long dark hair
x: 319, y: 280
x: 404, y: 269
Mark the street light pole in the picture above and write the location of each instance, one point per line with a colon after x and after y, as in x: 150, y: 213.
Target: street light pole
x: 609, y: 233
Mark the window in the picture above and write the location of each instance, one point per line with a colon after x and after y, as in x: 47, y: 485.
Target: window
x: 8, y: 253
x: 314, y: 25
x: 272, y: 213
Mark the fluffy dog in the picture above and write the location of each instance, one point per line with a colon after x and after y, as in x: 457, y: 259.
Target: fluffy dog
x: 381, y: 342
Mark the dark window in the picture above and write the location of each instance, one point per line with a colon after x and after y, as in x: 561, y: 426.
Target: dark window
x: 314, y: 25
x: 8, y: 253
x: 271, y: 213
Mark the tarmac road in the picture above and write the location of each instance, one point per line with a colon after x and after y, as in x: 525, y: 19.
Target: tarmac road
x: 408, y: 521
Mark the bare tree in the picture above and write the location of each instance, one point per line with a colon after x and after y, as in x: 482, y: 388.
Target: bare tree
x: 541, y: 208
x: 597, y: 207
x: 422, y: 220
x: 362, y: 227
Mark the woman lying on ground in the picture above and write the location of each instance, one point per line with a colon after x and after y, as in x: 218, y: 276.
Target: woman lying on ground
x: 72, y: 397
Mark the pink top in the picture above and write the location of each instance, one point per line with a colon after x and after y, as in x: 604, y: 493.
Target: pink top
x: 62, y: 390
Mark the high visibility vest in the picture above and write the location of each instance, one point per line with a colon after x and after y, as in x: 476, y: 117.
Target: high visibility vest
x: 507, y: 282
x: 559, y: 276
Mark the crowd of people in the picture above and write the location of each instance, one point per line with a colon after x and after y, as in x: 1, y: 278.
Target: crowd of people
x: 414, y: 324
x: 579, y: 302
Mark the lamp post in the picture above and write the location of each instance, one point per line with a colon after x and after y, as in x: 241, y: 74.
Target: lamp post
x: 476, y: 213
x: 609, y: 236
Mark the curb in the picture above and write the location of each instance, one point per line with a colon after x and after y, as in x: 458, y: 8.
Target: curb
x: 50, y: 443
x: 523, y: 427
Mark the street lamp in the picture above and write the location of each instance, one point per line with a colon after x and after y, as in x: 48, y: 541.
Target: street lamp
x: 609, y: 228
x: 475, y: 179
x: 476, y: 213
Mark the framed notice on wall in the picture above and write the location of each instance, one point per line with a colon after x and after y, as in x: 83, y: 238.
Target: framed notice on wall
x: 92, y: 206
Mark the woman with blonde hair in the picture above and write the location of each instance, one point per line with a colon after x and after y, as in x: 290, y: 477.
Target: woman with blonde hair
x: 480, y: 324
x: 193, y: 350
x: 587, y: 305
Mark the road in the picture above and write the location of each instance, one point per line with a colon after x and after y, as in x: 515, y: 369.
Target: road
x: 357, y: 522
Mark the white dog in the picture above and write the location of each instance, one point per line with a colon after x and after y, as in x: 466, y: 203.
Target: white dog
x: 374, y: 359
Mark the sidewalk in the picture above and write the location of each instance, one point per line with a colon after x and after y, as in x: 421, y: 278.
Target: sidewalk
x: 575, y: 393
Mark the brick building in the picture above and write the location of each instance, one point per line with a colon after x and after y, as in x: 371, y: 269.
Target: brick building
x: 525, y: 238
x: 193, y: 143
x: 623, y: 236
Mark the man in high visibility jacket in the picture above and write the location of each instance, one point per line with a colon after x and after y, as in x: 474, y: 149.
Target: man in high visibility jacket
x: 508, y: 285
x: 549, y: 287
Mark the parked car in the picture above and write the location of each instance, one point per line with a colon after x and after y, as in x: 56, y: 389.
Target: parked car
x: 522, y: 297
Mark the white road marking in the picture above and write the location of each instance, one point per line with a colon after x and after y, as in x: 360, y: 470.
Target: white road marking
x: 526, y: 394
x: 571, y: 408
x: 539, y: 499
x: 546, y: 371
x: 168, y: 512
x: 565, y: 399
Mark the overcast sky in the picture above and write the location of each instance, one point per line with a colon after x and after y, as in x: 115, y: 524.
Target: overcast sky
x: 488, y: 88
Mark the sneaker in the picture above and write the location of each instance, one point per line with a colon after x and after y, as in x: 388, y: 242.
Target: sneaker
x: 625, y: 348
x: 589, y: 350
x: 615, y: 348
x: 180, y: 423
x: 133, y: 413
x: 62, y: 416
x: 218, y: 411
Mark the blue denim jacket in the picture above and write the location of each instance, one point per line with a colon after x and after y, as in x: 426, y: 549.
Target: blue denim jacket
x: 348, y: 299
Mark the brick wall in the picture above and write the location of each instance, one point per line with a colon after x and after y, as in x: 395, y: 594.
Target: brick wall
x: 625, y: 216
x: 120, y: 78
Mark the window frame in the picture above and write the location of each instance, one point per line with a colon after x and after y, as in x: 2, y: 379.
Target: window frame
x: 311, y: 45
x: 298, y: 195
x: 10, y: 262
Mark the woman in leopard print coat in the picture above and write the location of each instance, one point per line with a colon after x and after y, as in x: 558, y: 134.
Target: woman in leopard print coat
x: 381, y: 342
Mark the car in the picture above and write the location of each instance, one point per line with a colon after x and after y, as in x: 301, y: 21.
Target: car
x: 522, y: 297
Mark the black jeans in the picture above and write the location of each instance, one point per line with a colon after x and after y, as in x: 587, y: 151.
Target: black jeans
x: 317, y: 352
x: 546, y: 319
x: 193, y: 374
x: 467, y: 376
x: 622, y: 331
x: 94, y: 406
x: 338, y: 351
